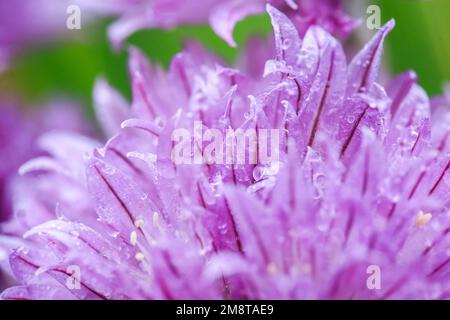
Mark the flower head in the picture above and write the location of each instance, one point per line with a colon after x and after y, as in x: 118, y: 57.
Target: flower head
x: 361, y: 184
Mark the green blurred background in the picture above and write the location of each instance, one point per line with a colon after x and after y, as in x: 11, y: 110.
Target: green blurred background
x: 69, y: 67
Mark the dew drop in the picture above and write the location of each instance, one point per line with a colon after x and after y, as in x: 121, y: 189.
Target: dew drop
x: 109, y: 170
x: 286, y: 44
x: 351, y: 119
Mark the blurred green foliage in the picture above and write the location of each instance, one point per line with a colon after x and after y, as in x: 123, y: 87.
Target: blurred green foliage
x: 70, y: 66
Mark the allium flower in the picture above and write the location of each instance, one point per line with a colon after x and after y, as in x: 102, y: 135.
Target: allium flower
x: 363, y: 183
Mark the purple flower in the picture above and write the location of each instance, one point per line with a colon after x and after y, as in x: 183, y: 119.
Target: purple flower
x: 363, y: 185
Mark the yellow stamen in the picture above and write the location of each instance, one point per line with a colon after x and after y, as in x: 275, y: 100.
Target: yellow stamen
x: 423, y: 218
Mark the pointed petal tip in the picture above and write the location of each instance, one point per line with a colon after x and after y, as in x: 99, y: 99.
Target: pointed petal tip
x: 135, y: 54
x: 232, y: 43
x: 100, y: 79
x: 177, y: 116
x: 270, y: 8
x: 136, y: 123
x: 273, y: 12
x: 227, y: 37
x: 388, y: 27
x: 227, y: 14
x: 127, y: 123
